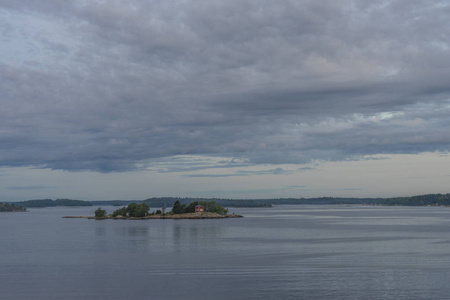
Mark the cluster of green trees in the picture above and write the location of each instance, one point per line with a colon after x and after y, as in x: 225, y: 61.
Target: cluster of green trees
x: 139, y: 210
x: 100, y: 213
x: 210, y: 206
x: 133, y: 210
x: 10, y: 207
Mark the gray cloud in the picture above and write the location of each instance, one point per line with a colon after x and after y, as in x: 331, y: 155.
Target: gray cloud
x: 33, y: 187
x: 305, y: 168
x: 117, y: 85
x: 276, y: 171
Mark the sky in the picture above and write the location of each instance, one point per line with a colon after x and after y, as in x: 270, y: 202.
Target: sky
x: 134, y: 99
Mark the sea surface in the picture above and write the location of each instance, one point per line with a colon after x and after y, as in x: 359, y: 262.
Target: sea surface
x: 283, y: 252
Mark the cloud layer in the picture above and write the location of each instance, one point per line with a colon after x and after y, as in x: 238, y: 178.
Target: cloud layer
x: 116, y: 85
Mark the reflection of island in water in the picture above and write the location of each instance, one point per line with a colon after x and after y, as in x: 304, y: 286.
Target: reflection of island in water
x: 195, y: 236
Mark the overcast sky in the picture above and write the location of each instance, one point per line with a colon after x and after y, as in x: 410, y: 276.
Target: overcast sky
x: 133, y: 99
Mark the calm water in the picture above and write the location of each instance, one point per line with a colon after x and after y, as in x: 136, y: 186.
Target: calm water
x: 284, y: 252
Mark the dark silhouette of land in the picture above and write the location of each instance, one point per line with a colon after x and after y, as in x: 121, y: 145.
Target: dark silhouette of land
x: 421, y: 200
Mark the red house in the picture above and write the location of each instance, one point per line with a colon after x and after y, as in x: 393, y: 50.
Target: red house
x: 199, y: 208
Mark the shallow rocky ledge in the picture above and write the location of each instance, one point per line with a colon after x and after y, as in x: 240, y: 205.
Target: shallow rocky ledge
x: 206, y: 215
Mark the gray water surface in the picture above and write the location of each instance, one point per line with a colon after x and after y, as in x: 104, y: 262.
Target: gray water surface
x: 284, y: 252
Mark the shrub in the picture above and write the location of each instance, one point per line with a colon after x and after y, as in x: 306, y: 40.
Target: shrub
x: 100, y: 213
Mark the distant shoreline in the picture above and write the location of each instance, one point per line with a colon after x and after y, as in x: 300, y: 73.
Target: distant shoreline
x: 420, y: 200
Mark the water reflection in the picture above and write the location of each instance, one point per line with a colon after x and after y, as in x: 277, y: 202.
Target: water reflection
x: 297, y: 252
x: 160, y: 235
x: 196, y: 236
x: 132, y: 231
x: 100, y: 231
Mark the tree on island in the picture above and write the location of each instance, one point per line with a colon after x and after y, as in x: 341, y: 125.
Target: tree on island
x: 191, y: 207
x: 100, y: 213
x: 178, y: 208
x: 133, y: 210
x: 137, y: 210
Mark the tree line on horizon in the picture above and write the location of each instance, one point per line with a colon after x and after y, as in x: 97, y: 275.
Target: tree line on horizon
x: 51, y: 203
x: 420, y: 200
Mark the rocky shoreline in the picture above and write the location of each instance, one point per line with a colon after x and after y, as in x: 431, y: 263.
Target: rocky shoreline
x: 192, y: 216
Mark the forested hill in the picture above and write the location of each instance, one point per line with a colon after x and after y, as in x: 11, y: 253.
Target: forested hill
x: 169, y: 201
x: 421, y: 200
x: 57, y: 202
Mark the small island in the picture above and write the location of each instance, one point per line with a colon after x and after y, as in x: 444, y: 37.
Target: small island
x: 195, y: 210
x: 11, y: 207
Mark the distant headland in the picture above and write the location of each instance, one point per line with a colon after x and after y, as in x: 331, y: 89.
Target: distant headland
x: 53, y: 203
